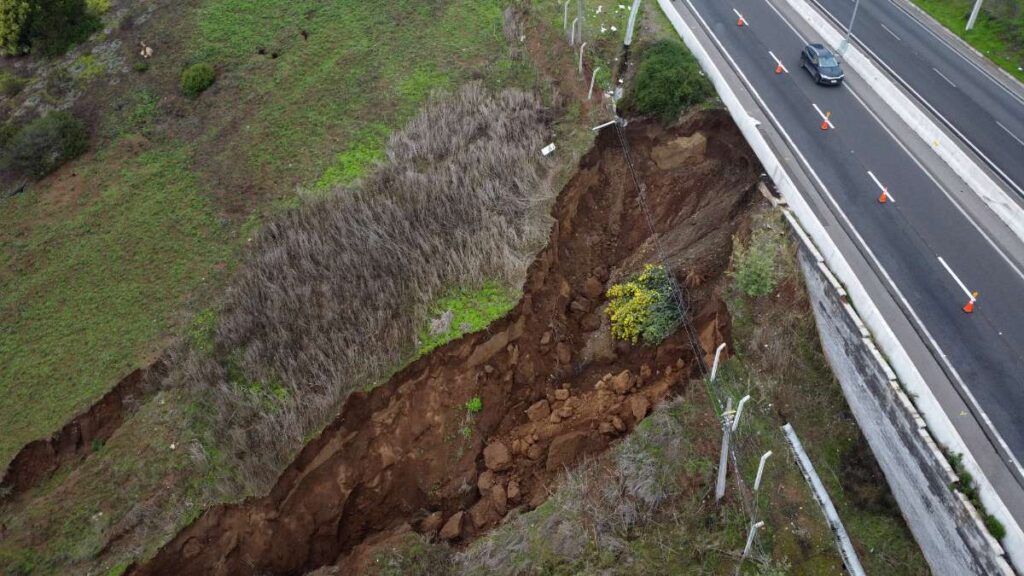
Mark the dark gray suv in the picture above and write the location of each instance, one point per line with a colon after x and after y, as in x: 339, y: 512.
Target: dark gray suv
x: 822, y: 64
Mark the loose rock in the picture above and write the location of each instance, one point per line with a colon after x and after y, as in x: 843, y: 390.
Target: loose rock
x: 453, y: 527
x: 639, y: 405
x: 561, y: 394
x: 621, y: 382
x: 592, y: 288
x: 497, y: 457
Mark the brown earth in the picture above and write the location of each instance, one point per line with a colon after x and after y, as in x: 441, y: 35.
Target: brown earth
x: 39, y: 459
x: 554, y: 386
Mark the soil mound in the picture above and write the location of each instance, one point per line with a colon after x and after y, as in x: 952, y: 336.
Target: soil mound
x: 554, y: 386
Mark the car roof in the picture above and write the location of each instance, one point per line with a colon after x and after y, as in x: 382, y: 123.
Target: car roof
x: 820, y: 49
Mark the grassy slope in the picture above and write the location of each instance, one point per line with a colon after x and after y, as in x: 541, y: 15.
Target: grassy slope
x: 998, y: 39
x: 63, y: 526
x: 92, y: 289
x: 779, y: 362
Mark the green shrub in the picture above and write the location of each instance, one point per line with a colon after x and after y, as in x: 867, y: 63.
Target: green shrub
x: 10, y: 85
x: 668, y: 80
x: 44, y: 144
x: 644, y: 307
x: 197, y: 78
x: 756, y: 272
x: 56, y: 25
x: 474, y: 405
x: 14, y: 20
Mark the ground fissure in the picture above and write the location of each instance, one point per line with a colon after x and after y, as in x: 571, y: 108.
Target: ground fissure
x: 554, y: 385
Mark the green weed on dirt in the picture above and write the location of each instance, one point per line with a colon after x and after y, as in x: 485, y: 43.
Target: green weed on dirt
x: 470, y: 310
x: 1001, y: 38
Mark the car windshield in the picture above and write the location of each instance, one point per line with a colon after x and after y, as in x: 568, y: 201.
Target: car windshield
x: 827, y: 61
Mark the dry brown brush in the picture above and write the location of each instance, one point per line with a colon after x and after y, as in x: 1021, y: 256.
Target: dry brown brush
x: 333, y: 293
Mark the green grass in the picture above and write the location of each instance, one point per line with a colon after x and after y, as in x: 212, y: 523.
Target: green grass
x: 472, y: 310
x: 1000, y: 40
x: 89, y: 294
x: 327, y: 103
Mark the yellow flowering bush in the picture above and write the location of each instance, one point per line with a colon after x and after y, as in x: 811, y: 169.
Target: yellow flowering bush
x: 643, y: 307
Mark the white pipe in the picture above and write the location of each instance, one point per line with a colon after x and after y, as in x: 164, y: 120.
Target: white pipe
x: 593, y: 77
x: 582, y: 46
x: 718, y: 354
x: 572, y: 35
x: 760, y: 470
x: 565, y: 17
x: 750, y: 537
x: 974, y: 15
x: 846, y: 550
x: 739, y: 412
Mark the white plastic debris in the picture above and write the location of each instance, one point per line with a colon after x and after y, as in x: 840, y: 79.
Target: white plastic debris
x: 600, y: 9
x: 614, y: 29
x: 547, y: 150
x: 603, y: 29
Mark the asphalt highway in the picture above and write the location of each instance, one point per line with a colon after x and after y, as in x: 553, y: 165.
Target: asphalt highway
x: 929, y: 251
x: 988, y: 116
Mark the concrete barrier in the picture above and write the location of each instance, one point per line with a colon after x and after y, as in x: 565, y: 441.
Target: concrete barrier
x: 945, y: 541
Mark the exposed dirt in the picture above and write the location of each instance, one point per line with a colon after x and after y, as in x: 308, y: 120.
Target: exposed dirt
x: 553, y: 384
x: 39, y: 459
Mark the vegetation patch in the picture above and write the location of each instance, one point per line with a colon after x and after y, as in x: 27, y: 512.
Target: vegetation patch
x: 152, y: 231
x: 464, y: 311
x: 668, y: 80
x: 644, y: 307
x: 757, y: 266
x: 196, y: 79
x: 998, y: 32
x: 44, y: 144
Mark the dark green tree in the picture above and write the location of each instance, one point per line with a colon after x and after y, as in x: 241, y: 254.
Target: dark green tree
x: 14, y: 19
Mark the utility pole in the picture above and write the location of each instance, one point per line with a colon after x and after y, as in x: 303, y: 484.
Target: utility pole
x: 849, y: 29
x: 723, y: 459
x: 974, y: 14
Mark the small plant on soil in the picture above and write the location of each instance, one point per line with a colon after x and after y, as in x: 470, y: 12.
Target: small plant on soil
x: 756, y: 272
x: 197, y: 78
x: 643, y: 307
x: 474, y: 405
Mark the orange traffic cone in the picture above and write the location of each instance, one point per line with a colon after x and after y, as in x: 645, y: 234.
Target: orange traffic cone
x: 824, y: 123
x: 884, y: 197
x: 778, y: 69
x: 969, y: 307
x: 740, y: 21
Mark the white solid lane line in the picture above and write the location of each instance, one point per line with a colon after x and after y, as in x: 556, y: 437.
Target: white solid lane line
x: 944, y: 77
x: 1012, y: 135
x: 823, y: 116
x: 778, y: 62
x: 956, y: 278
x: 898, y: 39
x: 882, y: 188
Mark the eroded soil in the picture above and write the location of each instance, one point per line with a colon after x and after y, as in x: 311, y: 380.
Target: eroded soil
x: 554, y: 385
